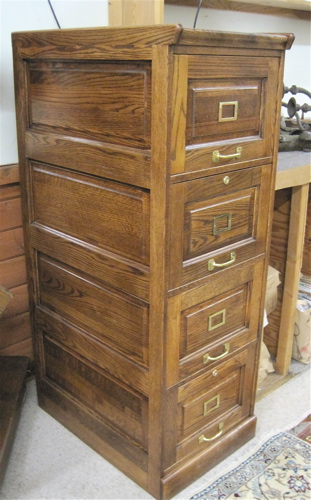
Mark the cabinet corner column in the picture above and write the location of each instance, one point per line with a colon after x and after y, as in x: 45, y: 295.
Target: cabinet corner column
x: 159, y: 204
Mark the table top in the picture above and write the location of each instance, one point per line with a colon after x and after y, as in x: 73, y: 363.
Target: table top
x: 293, y: 169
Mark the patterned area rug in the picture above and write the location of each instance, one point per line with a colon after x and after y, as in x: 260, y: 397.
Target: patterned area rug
x: 303, y: 430
x: 279, y: 470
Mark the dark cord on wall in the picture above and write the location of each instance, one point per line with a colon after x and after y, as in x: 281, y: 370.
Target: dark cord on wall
x: 197, y: 13
x: 49, y: 2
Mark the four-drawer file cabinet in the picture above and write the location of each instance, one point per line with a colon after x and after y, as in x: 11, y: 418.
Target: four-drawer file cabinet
x: 147, y: 161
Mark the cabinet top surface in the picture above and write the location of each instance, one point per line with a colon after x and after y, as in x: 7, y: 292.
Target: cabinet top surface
x: 147, y: 36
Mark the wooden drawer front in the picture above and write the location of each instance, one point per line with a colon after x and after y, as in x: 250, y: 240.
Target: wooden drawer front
x: 231, y: 110
x: 112, y: 317
x: 214, y: 319
x: 218, y: 223
x: 213, y: 403
x: 206, y: 407
x: 102, y: 213
x: 94, y: 389
x: 219, y: 110
x: 97, y: 101
x: 222, y: 220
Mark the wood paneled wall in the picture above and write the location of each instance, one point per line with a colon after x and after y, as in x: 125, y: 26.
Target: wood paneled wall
x: 15, y: 335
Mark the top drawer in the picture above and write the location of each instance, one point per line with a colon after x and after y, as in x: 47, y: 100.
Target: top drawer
x: 231, y: 108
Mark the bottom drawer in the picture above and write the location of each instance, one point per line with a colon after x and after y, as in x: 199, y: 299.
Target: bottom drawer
x: 212, y: 404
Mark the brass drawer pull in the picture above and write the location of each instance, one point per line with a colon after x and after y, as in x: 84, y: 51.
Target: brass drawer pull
x: 211, y: 263
x: 207, y: 357
x: 217, y: 156
x: 203, y: 439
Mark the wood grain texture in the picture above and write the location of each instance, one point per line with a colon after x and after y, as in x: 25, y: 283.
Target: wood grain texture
x: 99, y: 43
x: 285, y: 8
x: 127, y: 165
x: 76, y: 99
x: 11, y: 244
x: 161, y: 84
x: 306, y: 259
x: 9, y: 174
x: 206, y: 204
x: 77, y: 340
x: 296, y: 234
x: 135, y: 12
x: 13, y: 370
x: 5, y: 298
x: 116, y: 319
x: 124, y: 208
x: 15, y: 329
x: 13, y: 267
x: 255, y: 140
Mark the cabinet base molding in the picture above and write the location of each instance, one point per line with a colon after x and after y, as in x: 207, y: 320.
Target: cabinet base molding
x: 178, y: 479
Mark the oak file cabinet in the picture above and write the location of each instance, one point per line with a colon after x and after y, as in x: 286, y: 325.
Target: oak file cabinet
x: 147, y: 159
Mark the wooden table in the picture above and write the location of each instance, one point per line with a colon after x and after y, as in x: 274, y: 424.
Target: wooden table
x: 293, y: 171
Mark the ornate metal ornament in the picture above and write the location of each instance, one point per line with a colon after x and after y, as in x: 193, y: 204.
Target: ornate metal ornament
x: 295, y: 133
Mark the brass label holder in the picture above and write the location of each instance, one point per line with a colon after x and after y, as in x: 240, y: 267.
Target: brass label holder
x: 206, y: 409
x: 232, y: 104
x: 221, y: 322
x: 220, y: 218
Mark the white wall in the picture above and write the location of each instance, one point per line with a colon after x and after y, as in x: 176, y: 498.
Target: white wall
x: 297, y: 60
x: 25, y: 15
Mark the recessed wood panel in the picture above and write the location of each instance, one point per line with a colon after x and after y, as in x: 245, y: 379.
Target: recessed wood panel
x: 213, y: 319
x: 14, y: 329
x: 206, y: 405
x: 231, y: 111
x: 13, y: 272
x: 19, y: 304
x: 214, y: 326
x: 118, y: 155
x: 76, y: 339
x: 220, y: 110
x: 11, y: 243
x: 100, y: 393
x: 216, y: 223
x: 103, y: 213
x: 112, y: 317
x: 198, y: 431
x: 108, y: 102
x: 10, y: 213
